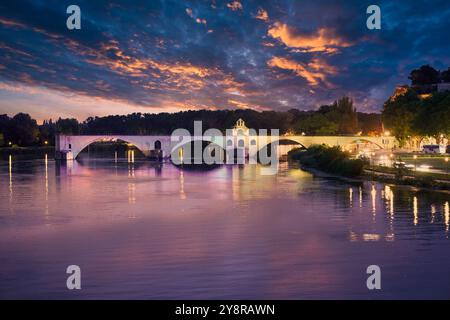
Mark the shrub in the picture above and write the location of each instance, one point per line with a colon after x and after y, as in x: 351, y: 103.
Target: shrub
x: 328, y: 159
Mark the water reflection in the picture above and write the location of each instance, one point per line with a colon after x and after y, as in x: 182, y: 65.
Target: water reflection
x: 182, y: 193
x: 415, y: 211
x: 373, y: 193
x: 240, y: 234
x: 10, y: 183
x: 446, y: 216
x: 46, y: 186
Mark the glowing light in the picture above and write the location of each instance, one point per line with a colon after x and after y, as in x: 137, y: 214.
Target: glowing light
x: 446, y: 215
x: 46, y: 186
x: 360, y: 197
x: 182, y: 193
x: 387, y: 133
x: 10, y: 178
x: 373, y: 193
x: 350, y: 193
x: 132, y: 196
x: 130, y: 154
x: 370, y: 237
x: 424, y: 167
x: 415, y: 211
x: 433, y: 212
x: 389, y: 194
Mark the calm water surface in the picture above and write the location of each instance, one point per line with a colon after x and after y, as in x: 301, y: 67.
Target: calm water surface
x: 156, y: 232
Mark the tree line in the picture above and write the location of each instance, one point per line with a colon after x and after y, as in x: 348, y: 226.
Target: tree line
x: 420, y: 110
x: 427, y: 75
x: 339, y: 118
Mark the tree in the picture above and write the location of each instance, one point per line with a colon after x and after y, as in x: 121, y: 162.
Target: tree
x: 47, y: 132
x: 67, y: 126
x: 433, y: 118
x: 399, y: 116
x: 22, y: 130
x: 445, y: 75
x: 343, y: 114
x: 425, y: 75
x: 370, y: 123
x: 316, y: 123
x: 4, y: 123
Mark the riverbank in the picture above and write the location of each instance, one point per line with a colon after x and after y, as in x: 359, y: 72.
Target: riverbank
x: 336, y: 163
x: 429, y: 180
x: 27, y: 152
x: 328, y: 159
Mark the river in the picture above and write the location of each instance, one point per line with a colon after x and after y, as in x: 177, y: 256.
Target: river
x: 149, y: 231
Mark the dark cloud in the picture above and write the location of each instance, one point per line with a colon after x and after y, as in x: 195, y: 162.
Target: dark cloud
x: 210, y: 54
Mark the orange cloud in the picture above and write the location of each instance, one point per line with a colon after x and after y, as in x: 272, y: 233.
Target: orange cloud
x: 324, y: 40
x: 11, y: 23
x: 314, y: 72
x: 234, y: 5
x: 262, y: 15
x: 247, y: 105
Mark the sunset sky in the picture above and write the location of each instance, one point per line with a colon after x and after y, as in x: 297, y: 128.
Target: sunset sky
x: 154, y: 56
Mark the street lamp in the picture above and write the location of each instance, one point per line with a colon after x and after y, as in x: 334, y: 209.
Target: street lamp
x: 45, y: 142
x: 10, y: 143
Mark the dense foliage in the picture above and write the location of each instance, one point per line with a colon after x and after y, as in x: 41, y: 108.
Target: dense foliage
x: 420, y: 111
x: 410, y: 116
x: 328, y: 159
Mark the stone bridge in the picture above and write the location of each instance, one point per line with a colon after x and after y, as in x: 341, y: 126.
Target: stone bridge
x: 241, y: 138
x: 69, y: 146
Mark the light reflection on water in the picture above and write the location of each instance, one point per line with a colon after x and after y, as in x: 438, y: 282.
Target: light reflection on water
x: 141, y: 230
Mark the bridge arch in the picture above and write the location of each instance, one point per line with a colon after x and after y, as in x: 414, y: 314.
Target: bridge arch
x: 207, y: 142
x: 380, y: 147
x: 288, y: 141
x: 295, y: 141
x: 78, y: 147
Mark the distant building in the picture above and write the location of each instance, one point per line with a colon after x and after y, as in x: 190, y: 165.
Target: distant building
x: 240, y: 128
x: 443, y: 86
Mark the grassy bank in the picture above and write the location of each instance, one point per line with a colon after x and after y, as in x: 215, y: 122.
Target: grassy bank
x: 27, y: 152
x: 328, y: 159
